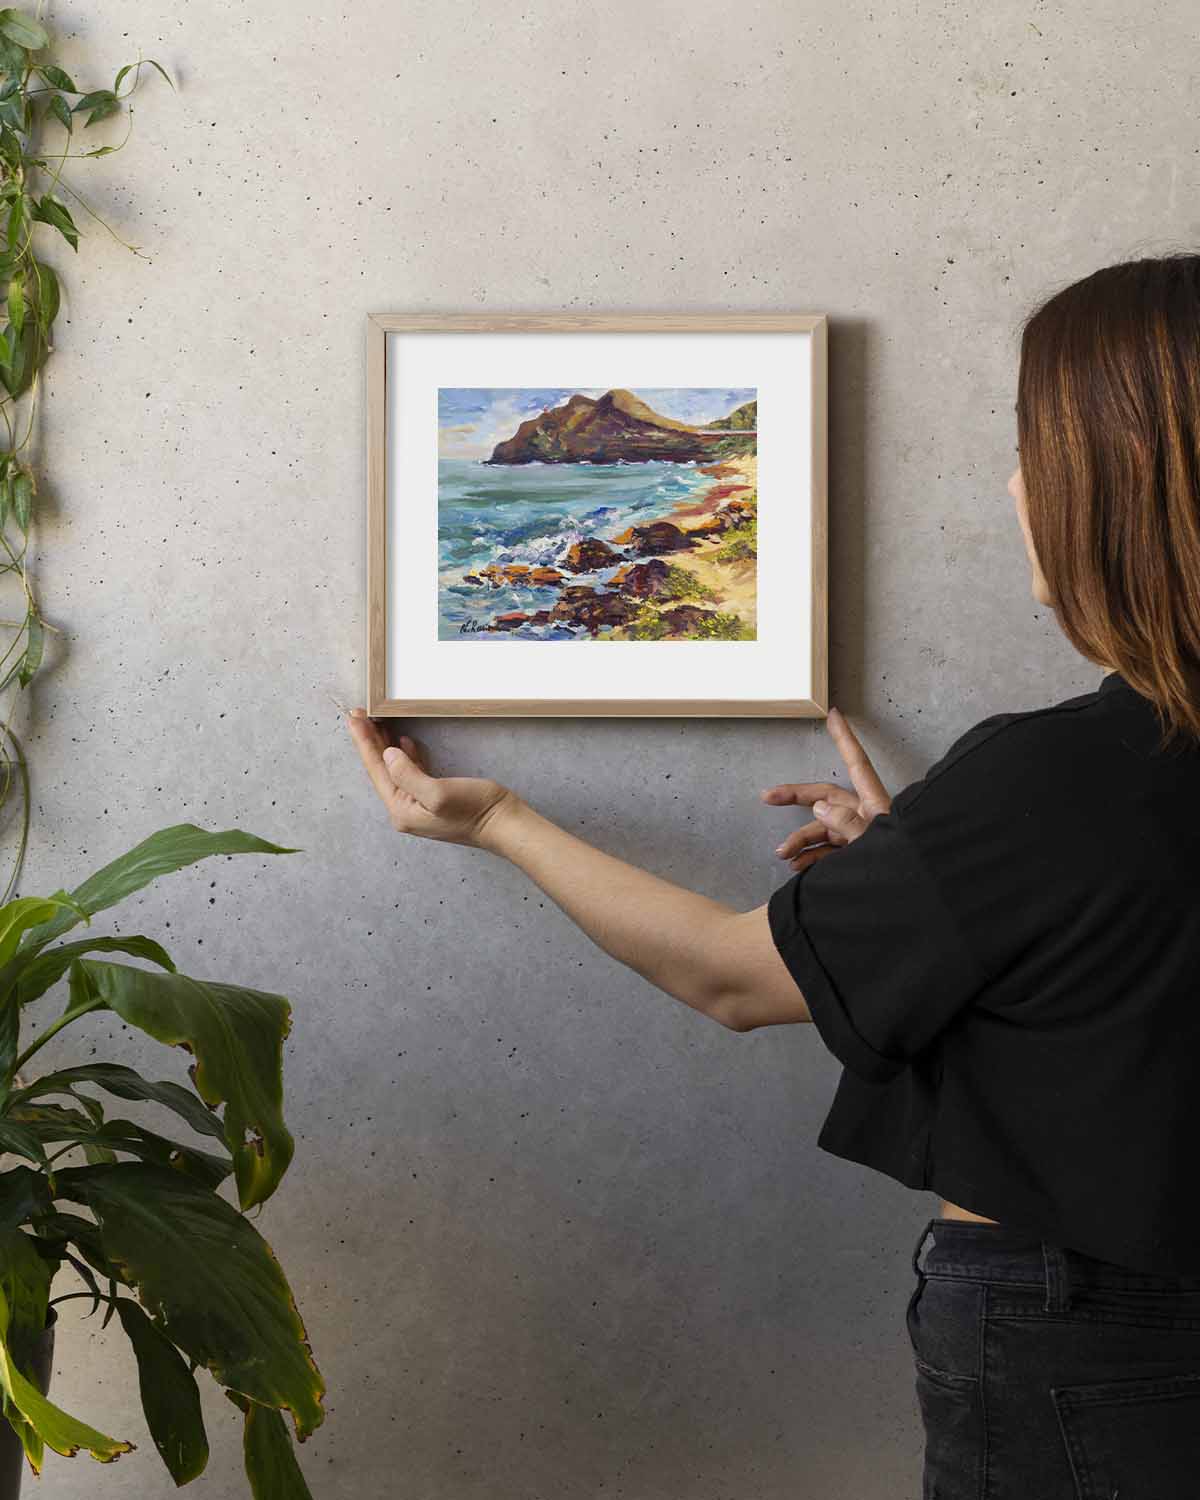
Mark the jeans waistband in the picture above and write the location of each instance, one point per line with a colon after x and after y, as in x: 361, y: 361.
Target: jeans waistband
x: 997, y: 1253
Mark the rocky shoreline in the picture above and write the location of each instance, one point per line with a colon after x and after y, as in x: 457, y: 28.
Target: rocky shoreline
x: 688, y: 575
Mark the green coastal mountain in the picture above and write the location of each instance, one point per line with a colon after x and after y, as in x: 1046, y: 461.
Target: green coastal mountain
x: 745, y: 416
x: 620, y: 427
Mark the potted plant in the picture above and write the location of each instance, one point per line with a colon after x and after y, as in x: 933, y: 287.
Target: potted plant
x: 136, y: 1214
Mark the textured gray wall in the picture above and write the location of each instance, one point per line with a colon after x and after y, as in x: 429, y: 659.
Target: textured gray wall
x: 553, y: 1234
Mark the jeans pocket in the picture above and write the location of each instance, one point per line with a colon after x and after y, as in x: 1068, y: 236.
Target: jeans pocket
x: 951, y: 1416
x: 1136, y: 1439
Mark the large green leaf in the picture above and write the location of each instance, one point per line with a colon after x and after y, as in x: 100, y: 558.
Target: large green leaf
x: 38, y: 974
x: 23, y: 1193
x: 162, y: 853
x: 126, y: 1084
x: 207, y: 1277
x: 60, y: 1431
x: 270, y: 1459
x: 21, y: 1140
x: 120, y: 1135
x: 236, y: 1036
x: 17, y: 917
x: 170, y: 1398
x: 25, y: 1282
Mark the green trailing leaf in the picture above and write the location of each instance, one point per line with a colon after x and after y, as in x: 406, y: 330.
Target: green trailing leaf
x: 48, y: 210
x: 61, y: 111
x: 170, y: 1398
x: 207, y: 1278
x: 162, y: 853
x: 55, y: 1427
x: 13, y: 59
x: 38, y: 974
x: 136, y: 70
x: 124, y: 1083
x: 56, y: 78
x: 16, y: 302
x: 35, y: 647
x: 23, y: 30
x: 98, y: 105
x: 22, y: 499
x: 236, y: 1037
x: 268, y: 1454
x: 44, y: 291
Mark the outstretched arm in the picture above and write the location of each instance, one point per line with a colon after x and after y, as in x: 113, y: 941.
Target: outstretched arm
x: 720, y: 961
x: 707, y: 954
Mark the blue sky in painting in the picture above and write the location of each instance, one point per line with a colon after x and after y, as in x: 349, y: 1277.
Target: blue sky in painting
x: 472, y: 420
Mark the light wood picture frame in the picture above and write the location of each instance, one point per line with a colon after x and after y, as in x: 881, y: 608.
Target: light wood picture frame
x: 518, y: 494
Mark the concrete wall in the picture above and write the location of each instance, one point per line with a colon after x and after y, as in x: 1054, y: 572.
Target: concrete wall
x: 553, y: 1234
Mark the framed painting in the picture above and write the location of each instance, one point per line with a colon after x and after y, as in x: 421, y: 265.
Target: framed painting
x: 596, y: 515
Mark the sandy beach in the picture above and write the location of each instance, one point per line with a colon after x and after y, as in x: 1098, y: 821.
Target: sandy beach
x: 723, y: 583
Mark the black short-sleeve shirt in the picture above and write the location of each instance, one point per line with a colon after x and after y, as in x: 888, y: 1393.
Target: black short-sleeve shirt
x: 1007, y: 964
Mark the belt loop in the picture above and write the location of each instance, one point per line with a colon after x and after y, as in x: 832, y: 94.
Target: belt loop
x: 1058, y: 1281
x: 920, y: 1245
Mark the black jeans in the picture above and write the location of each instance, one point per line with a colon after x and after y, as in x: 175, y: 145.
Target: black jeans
x: 1045, y: 1374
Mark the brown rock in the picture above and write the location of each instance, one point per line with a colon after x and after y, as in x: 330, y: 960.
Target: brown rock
x: 509, y: 621
x: 658, y: 536
x: 591, y: 553
x: 545, y: 576
x: 684, y: 618
x: 580, y: 605
x: 646, y: 580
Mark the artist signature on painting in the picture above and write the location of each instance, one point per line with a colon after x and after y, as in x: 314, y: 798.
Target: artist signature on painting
x: 469, y: 627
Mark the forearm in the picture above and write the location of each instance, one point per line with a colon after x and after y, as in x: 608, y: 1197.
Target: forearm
x: 675, y: 938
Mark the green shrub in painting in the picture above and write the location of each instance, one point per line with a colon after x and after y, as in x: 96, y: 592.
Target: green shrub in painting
x: 741, y: 541
x: 184, y: 1272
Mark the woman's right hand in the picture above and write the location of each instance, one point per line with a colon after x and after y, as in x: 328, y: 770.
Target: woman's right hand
x: 841, y: 815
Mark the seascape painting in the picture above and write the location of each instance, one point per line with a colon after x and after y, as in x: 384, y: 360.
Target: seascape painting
x: 575, y: 514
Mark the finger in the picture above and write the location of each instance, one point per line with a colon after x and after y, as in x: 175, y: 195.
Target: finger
x: 801, y: 838
x: 811, y: 857
x: 805, y: 793
x: 858, y: 763
x: 370, y: 747
x: 846, y: 821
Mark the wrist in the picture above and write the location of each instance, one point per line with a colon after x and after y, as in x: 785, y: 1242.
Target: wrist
x: 498, y: 822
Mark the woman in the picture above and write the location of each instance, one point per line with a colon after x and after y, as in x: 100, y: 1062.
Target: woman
x: 1006, y: 956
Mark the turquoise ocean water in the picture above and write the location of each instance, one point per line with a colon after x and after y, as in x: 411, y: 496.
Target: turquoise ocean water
x: 532, y: 513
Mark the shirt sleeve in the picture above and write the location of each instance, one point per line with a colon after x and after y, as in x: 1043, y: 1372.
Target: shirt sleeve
x: 868, y: 936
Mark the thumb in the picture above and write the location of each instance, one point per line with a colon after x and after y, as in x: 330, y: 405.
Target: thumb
x: 408, y: 775
x: 840, y: 819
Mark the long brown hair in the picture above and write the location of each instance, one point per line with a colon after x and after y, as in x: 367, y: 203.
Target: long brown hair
x: 1108, y: 424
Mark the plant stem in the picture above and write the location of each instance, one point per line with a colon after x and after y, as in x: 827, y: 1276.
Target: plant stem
x: 65, y: 1019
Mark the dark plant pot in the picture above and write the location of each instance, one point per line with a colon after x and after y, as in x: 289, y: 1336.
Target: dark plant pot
x: 12, y: 1455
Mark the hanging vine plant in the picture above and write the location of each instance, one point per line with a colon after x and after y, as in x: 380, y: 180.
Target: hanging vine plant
x: 37, y: 205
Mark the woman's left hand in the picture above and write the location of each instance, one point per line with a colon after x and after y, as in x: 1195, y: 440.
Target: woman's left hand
x: 454, y: 809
